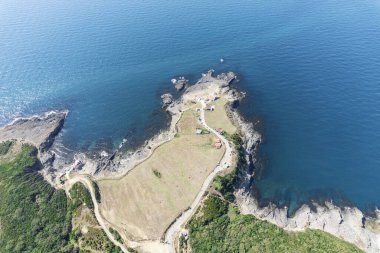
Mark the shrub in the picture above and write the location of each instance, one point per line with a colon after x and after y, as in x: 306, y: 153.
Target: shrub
x: 5, y: 146
x: 157, y: 173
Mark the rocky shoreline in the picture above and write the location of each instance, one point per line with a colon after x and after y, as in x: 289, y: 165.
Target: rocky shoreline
x: 347, y: 223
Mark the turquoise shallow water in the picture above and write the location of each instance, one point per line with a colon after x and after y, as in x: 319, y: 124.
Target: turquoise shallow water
x: 311, y: 70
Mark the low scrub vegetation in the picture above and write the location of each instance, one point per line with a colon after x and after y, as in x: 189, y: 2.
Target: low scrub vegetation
x: 116, y: 235
x: 5, y: 146
x: 218, y: 227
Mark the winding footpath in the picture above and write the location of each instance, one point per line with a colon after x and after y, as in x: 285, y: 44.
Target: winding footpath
x: 225, y: 162
x: 88, y: 184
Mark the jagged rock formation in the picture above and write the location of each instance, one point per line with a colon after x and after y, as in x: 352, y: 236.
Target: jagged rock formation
x: 39, y: 131
x: 167, y: 99
x: 180, y: 83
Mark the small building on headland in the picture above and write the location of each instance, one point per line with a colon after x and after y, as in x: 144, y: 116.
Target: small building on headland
x: 218, y: 145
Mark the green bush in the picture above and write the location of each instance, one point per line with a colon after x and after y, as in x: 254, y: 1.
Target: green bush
x: 5, y: 146
x: 97, y: 192
x: 226, y: 185
x: 80, y: 195
x: 116, y: 235
x: 157, y: 173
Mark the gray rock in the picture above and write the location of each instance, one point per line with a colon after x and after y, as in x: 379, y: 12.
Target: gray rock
x: 181, y: 83
x: 39, y: 131
x: 167, y: 99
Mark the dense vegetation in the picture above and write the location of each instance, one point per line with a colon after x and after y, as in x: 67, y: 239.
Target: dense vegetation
x: 79, y: 196
x: 97, y: 192
x: 226, y: 184
x: 218, y: 227
x: 33, y: 215
x: 5, y: 146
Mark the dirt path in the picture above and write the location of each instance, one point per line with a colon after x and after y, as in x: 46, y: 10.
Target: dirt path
x: 226, y: 161
x: 88, y: 184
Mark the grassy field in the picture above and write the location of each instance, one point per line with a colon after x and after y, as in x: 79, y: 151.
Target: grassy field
x: 219, y: 118
x: 218, y: 227
x: 144, y: 203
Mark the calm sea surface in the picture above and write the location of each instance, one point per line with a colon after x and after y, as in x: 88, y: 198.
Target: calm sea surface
x: 311, y: 70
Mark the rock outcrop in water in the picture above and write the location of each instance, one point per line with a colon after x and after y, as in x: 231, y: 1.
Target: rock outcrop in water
x: 167, y: 99
x: 41, y: 132
x: 180, y: 83
x: 37, y: 130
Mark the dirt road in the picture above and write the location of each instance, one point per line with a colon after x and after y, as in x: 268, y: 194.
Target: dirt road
x: 226, y: 161
x: 88, y: 184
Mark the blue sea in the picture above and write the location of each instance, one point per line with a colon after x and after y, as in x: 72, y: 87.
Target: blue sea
x: 311, y: 70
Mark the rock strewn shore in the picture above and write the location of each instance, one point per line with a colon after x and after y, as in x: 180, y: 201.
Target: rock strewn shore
x: 347, y: 223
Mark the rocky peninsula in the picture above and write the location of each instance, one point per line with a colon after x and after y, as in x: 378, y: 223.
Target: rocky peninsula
x: 349, y: 224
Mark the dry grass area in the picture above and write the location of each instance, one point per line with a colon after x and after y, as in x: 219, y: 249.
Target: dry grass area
x: 219, y: 118
x: 142, y: 204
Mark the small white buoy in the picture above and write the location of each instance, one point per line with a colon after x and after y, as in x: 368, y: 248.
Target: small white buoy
x: 221, y: 60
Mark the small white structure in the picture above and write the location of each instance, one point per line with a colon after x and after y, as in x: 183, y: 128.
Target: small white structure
x: 198, y: 131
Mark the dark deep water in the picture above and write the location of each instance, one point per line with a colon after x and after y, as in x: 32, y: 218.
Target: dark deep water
x: 311, y: 70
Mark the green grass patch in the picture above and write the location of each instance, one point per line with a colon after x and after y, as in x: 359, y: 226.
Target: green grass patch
x: 217, y: 228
